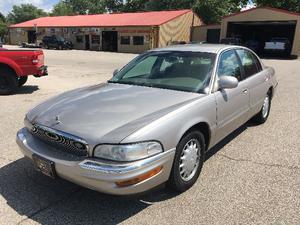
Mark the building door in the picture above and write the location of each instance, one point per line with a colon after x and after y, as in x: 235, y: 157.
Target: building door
x: 110, y: 41
x: 213, y: 36
x: 87, y: 42
x: 31, y: 36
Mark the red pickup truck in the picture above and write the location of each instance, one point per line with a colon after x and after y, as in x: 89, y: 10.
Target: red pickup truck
x: 17, y: 65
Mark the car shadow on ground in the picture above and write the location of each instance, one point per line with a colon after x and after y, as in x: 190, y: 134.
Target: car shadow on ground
x: 27, y: 89
x: 48, y: 201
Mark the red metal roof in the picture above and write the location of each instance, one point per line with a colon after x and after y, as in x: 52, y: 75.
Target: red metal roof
x: 106, y: 20
x: 264, y: 7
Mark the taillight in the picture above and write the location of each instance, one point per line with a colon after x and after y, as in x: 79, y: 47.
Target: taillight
x: 38, y: 58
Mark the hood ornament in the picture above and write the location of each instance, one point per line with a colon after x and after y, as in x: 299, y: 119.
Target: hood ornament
x: 57, y: 121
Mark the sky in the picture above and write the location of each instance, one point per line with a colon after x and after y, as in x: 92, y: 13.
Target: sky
x: 6, y: 5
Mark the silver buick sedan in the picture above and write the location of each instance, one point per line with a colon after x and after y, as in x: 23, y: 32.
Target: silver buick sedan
x: 153, y: 122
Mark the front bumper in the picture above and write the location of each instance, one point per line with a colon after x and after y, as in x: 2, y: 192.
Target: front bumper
x: 97, y: 174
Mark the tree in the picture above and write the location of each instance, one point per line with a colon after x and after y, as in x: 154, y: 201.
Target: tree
x: 85, y: 6
x: 62, y: 9
x: 113, y: 5
x: 2, y: 17
x: 134, y: 5
x: 3, y: 26
x: 24, y: 12
x: 292, y: 5
x: 212, y: 11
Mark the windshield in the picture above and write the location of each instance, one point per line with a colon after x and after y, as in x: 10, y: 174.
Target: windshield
x: 184, y: 71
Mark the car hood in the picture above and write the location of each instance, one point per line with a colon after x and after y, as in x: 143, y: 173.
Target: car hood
x: 107, y: 113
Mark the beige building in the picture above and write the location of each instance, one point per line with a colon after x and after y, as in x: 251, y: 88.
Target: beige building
x: 257, y: 24
x: 120, y: 32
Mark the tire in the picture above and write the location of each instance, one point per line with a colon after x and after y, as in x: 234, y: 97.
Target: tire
x: 264, y: 113
x: 22, y: 80
x: 8, y: 81
x: 178, y: 180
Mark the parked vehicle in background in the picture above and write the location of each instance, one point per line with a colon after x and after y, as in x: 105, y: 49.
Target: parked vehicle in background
x: 56, y: 42
x: 278, y: 46
x: 253, y: 45
x: 231, y: 41
x: 152, y: 122
x: 17, y: 65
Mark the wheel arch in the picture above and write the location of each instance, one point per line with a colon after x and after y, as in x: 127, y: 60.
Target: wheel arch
x: 11, y: 65
x: 204, y: 128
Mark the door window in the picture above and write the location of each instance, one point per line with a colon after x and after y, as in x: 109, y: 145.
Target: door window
x: 248, y: 62
x: 229, y: 65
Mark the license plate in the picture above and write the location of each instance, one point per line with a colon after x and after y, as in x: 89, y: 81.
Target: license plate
x: 43, y: 165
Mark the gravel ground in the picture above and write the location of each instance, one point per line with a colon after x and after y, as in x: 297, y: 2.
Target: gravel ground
x: 252, y: 177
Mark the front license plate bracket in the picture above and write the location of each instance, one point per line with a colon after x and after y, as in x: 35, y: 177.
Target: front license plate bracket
x: 45, y: 166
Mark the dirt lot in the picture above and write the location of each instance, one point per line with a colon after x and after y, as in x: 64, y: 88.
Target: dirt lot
x: 253, y: 177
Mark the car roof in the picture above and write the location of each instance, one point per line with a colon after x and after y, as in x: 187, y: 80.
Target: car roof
x: 210, y: 48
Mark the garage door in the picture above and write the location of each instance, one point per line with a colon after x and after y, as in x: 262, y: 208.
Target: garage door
x: 257, y: 33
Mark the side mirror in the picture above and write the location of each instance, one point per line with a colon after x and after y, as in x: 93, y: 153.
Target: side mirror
x: 228, y: 82
x: 115, y: 72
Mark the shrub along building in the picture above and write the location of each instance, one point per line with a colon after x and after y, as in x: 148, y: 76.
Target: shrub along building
x: 119, y: 32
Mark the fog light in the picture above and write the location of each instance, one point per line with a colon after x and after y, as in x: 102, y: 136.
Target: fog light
x: 140, y: 178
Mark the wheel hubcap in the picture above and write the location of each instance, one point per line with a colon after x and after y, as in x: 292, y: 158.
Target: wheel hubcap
x: 189, y: 160
x: 266, y: 105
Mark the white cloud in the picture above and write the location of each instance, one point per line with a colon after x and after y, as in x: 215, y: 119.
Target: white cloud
x: 6, y: 5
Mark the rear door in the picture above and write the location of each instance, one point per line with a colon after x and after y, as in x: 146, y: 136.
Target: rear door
x: 232, y: 104
x: 255, y: 78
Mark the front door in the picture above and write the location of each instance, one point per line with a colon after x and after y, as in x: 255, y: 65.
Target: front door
x: 110, y: 41
x: 87, y: 42
x: 232, y: 104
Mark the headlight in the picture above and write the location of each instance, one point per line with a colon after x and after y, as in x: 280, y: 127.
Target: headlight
x: 28, y: 124
x: 128, y: 152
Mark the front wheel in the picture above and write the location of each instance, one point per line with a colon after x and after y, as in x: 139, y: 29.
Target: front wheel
x: 188, y: 161
x: 263, y: 114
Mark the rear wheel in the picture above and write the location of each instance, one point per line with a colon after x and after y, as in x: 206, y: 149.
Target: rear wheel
x: 188, y: 161
x: 22, y: 80
x: 263, y: 114
x: 8, y: 81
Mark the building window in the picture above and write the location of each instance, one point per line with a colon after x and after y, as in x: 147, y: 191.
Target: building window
x: 79, y: 39
x: 95, y: 39
x: 125, y: 40
x: 138, y: 40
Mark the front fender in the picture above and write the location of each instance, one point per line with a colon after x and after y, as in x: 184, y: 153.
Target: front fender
x: 14, y: 66
x: 170, y: 128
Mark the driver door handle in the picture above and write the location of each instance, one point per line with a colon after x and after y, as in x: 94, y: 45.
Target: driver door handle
x: 245, y: 91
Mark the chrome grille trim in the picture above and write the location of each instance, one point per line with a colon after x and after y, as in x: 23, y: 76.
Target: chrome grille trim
x: 63, y: 141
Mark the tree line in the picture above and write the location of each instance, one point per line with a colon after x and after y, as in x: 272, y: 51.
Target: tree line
x: 211, y: 11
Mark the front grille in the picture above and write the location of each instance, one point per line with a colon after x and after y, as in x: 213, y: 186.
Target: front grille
x: 60, y: 140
